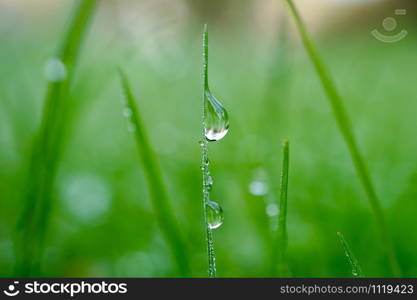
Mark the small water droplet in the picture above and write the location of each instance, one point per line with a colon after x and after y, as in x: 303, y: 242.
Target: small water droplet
x: 55, y: 70
x: 127, y: 112
x: 216, y: 123
x: 131, y: 127
x: 272, y: 209
x: 201, y: 143
x: 214, y: 215
x: 258, y: 188
x: 209, y: 183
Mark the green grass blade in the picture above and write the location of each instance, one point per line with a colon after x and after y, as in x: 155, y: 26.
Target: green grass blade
x: 278, y: 262
x: 157, y: 190
x: 356, y: 269
x: 33, y: 223
x: 345, y: 127
x: 211, y: 255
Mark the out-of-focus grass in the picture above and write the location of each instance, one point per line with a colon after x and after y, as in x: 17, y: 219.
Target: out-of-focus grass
x: 39, y: 185
x: 346, y: 129
x: 116, y: 233
x: 160, y: 201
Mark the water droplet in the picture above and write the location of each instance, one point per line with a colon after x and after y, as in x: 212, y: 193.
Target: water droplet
x: 55, y: 70
x: 216, y: 123
x: 214, y: 215
x: 209, y: 183
x: 272, y: 209
x: 201, y: 143
x: 127, y: 112
x: 258, y: 188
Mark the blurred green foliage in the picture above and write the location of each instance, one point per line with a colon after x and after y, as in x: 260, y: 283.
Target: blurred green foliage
x: 103, y: 223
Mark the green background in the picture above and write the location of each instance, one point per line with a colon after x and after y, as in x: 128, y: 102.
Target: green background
x: 102, y: 221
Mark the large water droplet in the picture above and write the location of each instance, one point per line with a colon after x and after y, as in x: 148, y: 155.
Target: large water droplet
x: 55, y: 70
x: 216, y: 123
x: 214, y: 215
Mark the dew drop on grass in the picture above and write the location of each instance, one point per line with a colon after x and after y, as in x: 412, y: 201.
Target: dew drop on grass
x: 214, y: 215
x: 216, y: 122
x: 55, y: 70
x: 209, y: 183
x: 127, y: 112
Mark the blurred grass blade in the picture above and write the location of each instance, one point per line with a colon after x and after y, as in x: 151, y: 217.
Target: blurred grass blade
x: 278, y: 262
x: 159, y: 197
x: 347, y: 133
x: 33, y: 223
x: 356, y: 269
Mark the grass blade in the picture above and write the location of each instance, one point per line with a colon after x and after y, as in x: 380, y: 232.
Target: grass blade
x: 278, y: 264
x: 345, y: 127
x: 159, y: 196
x: 356, y: 269
x: 211, y: 255
x: 33, y: 222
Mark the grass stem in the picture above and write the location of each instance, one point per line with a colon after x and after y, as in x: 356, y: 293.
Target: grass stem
x: 278, y: 263
x: 204, y: 165
x: 356, y: 269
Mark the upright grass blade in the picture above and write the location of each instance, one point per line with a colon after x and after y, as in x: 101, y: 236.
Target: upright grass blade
x: 33, y: 223
x: 159, y: 196
x: 345, y: 127
x: 278, y: 263
x: 356, y: 269
x: 204, y: 159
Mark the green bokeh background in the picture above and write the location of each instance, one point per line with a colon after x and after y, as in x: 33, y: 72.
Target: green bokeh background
x: 103, y: 223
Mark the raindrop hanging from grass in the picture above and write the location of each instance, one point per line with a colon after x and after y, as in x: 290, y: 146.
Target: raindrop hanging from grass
x: 214, y: 215
x: 215, y: 117
x: 216, y: 121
